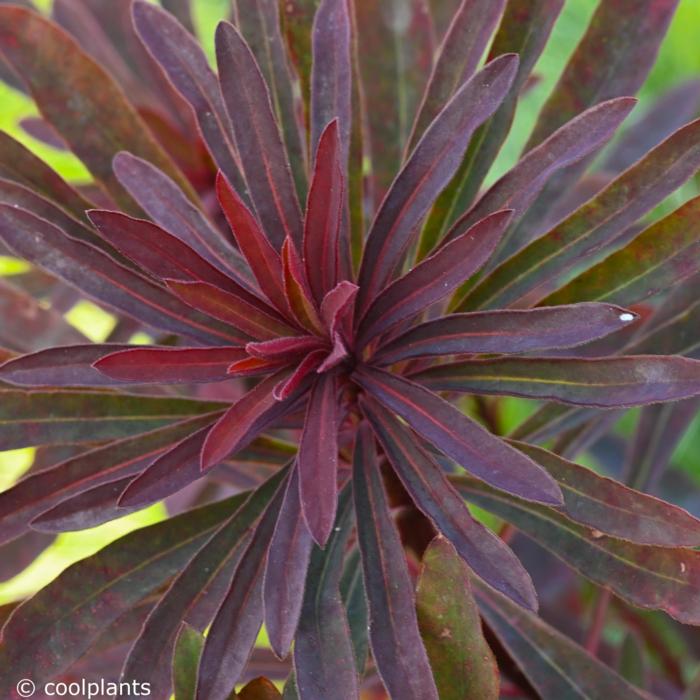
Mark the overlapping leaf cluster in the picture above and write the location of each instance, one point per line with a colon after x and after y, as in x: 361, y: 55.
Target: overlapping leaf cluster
x: 316, y: 324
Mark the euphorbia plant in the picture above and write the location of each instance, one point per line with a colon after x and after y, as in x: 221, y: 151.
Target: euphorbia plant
x: 328, y: 337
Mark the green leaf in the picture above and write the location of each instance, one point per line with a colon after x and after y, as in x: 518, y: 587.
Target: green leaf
x: 463, y: 664
x: 188, y: 649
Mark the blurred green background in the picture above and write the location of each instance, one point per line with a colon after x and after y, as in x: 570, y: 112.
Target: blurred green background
x: 679, y: 60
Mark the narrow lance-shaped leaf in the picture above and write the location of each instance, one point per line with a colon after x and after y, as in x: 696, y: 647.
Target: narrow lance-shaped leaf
x: 556, y: 666
x: 613, y: 508
x: 40, y: 491
x: 463, y: 664
x: 207, y: 573
x: 397, y: 648
x: 285, y: 571
x: 263, y: 259
x: 323, y: 653
x: 188, y: 650
x: 47, y: 246
x: 395, y: 50
x: 459, y: 437
x: 77, y: 96
x: 583, y: 135
x: 607, y: 63
x: 658, y: 578
x: 593, y: 225
x: 51, y: 630
x: 609, y: 382
x: 352, y: 589
x: 257, y: 136
x: 429, y: 168
x: 524, y: 29
x: 245, y: 420
x: 545, y: 328
x: 182, y: 59
x: 168, y: 365
x: 318, y: 459
x: 30, y: 418
x: 297, y: 290
x: 166, y: 204
x: 324, y: 215
x: 487, y: 555
x: 461, y: 50
x: 434, y: 278
x: 239, y: 618
x: 659, y: 257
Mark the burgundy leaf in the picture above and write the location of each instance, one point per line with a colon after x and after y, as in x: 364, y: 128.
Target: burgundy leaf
x: 157, y: 252
x: 338, y: 306
x: 55, y: 627
x: 242, y: 423
x: 259, y: 23
x: 598, y: 222
x: 285, y: 571
x: 318, y: 459
x: 256, y: 366
x: 166, y: 204
x: 311, y: 363
x: 460, y: 438
x: 17, y: 555
x: 331, y: 78
x: 324, y: 212
x: 284, y: 348
x: 78, y: 97
x: 323, y: 651
x: 609, y: 382
x: 396, y: 644
x: 239, y: 618
x: 184, y: 62
x: 487, y: 555
x: 506, y: 332
x: 47, y: 246
x: 241, y: 310
x: 433, y: 278
x: 470, y: 28
x: 206, y: 575
x: 263, y: 259
x: 257, y: 136
x: 429, y: 168
x: 168, y: 365
x: 19, y: 164
x: 40, y: 491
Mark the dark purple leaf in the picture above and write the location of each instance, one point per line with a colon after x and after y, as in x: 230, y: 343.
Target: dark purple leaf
x: 285, y: 571
x: 17, y: 555
x: 506, y: 332
x: 396, y: 644
x: 595, y: 224
x: 47, y: 246
x: 78, y: 98
x: 460, y: 438
x: 556, y: 666
x: 208, y: 573
x: 239, y: 618
x: 323, y: 652
x: 487, y: 555
x: 166, y: 204
x: 51, y: 630
x: 469, y: 32
x: 434, y: 278
x: 318, y: 459
x: 258, y: 138
x: 609, y: 382
x: 184, y: 62
x: 40, y: 491
x: 259, y: 23
x: 427, y: 171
